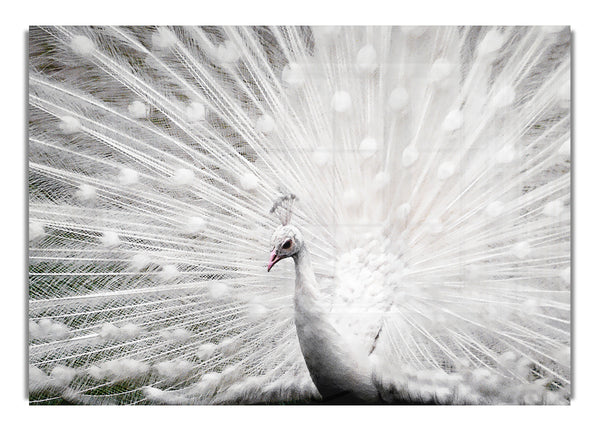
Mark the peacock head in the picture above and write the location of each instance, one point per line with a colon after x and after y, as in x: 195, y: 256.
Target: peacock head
x: 285, y: 242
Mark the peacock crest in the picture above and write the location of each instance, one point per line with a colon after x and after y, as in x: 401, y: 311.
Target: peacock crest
x: 282, y: 208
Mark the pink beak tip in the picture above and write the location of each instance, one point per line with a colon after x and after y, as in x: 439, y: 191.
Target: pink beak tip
x: 273, y: 260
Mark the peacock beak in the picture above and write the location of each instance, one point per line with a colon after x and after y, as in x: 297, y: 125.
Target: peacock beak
x: 273, y: 260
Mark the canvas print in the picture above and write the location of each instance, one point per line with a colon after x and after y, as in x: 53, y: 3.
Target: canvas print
x: 299, y: 215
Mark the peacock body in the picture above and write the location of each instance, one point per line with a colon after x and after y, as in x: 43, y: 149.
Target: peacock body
x: 431, y: 167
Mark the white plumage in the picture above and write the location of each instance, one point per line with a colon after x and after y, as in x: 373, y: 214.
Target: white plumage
x: 432, y: 169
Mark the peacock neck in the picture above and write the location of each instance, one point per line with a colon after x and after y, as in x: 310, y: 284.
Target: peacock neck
x: 332, y: 367
x: 312, y: 327
x: 306, y: 282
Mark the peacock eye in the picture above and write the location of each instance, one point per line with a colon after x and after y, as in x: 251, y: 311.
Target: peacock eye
x: 287, y: 244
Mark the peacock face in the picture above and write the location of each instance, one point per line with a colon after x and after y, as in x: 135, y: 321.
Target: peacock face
x: 285, y: 242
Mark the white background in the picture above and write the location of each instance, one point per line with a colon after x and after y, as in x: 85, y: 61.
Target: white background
x: 586, y: 166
